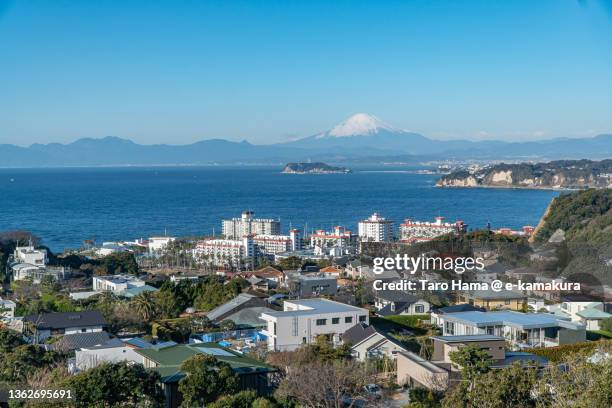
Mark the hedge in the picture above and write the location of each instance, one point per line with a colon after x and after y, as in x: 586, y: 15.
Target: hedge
x: 559, y: 353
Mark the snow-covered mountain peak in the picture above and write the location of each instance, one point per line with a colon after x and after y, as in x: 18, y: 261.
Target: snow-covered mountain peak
x: 359, y: 124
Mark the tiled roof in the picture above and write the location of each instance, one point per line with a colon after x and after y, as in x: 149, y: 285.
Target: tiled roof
x: 170, y: 359
x: 65, y: 320
x: 80, y: 340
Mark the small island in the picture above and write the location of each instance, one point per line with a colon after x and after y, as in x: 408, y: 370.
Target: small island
x: 313, y: 168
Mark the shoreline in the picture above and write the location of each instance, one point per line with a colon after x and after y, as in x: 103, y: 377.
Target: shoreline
x: 521, y: 187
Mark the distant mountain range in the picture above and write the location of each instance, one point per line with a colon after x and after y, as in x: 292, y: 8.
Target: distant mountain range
x: 361, y: 137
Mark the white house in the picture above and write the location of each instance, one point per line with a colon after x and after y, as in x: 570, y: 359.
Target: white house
x: 301, y: 321
x: 116, y: 283
x: 30, y: 255
x: 7, y: 308
x: 113, y: 351
x: 369, y: 342
x: 521, y: 330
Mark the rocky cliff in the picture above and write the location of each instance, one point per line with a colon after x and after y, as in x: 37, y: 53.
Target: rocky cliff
x: 563, y: 174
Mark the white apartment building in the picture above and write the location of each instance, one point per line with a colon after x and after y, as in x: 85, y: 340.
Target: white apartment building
x: 156, y: 245
x: 376, y: 229
x: 301, y: 321
x: 237, y: 228
x: 419, y: 231
x: 276, y: 244
x: 225, y: 252
x: 116, y: 283
x: 340, y: 237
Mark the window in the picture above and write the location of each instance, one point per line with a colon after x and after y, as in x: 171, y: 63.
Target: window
x: 507, y: 302
x: 274, y: 328
x: 303, y: 340
x: 449, y: 328
x: 335, y: 320
x: 419, y: 309
x: 348, y: 319
x: 321, y: 322
x: 362, y: 318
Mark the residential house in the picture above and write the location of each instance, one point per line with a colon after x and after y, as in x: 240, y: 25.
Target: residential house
x: 316, y: 285
x: 437, y: 313
x: 240, y: 302
x: 491, y: 300
x: 111, y: 351
x: 584, y: 311
x: 367, y: 341
x: 302, y: 321
x: 440, y: 372
x: 41, y: 326
x: 274, y: 277
x: 395, y: 302
x: 7, y: 308
x: 121, y: 285
x: 521, y: 330
x: 252, y: 374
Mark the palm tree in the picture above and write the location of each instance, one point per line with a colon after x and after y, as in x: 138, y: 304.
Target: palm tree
x: 144, y: 305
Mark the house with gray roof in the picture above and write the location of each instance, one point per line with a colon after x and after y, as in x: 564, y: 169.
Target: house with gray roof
x: 367, y: 341
x: 439, y: 372
x: 395, y: 302
x: 521, y: 330
x: 240, y: 302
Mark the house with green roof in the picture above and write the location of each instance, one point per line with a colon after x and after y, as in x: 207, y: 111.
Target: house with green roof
x: 167, y: 361
x: 592, y: 317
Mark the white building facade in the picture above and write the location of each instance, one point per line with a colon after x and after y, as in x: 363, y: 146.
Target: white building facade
x: 419, y: 231
x: 376, y: 229
x: 302, y: 321
x: 237, y: 228
x: 225, y: 252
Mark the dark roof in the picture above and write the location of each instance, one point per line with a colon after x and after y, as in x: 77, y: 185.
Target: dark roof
x: 396, y: 296
x: 388, y: 310
x: 463, y: 307
x: 66, y: 320
x: 80, y: 340
x: 358, y: 333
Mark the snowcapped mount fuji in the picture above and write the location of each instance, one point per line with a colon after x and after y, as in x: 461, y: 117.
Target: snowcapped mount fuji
x: 362, y: 131
x: 358, y: 125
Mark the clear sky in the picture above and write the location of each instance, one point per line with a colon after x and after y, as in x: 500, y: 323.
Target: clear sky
x: 267, y: 71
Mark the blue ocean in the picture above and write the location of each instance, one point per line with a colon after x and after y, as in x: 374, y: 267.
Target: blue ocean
x: 66, y: 206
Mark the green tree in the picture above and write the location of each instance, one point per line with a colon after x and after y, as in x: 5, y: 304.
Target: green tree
x: 145, y: 306
x: 473, y: 361
x: 243, y: 399
x: 9, y: 339
x: 22, y: 361
x: 166, y: 305
x: 507, y: 388
x: 606, y: 324
x: 117, y: 385
x: 206, y: 380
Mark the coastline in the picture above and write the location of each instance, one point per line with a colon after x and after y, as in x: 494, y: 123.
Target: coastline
x: 520, y: 187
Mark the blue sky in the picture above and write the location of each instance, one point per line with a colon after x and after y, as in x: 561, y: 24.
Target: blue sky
x: 268, y: 71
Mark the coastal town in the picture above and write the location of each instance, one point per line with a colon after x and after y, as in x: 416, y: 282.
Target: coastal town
x: 301, y: 320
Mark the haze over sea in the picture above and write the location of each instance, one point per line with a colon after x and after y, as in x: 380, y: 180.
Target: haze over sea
x: 66, y: 206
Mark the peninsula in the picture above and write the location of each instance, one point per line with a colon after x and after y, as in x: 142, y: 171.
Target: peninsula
x: 562, y: 174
